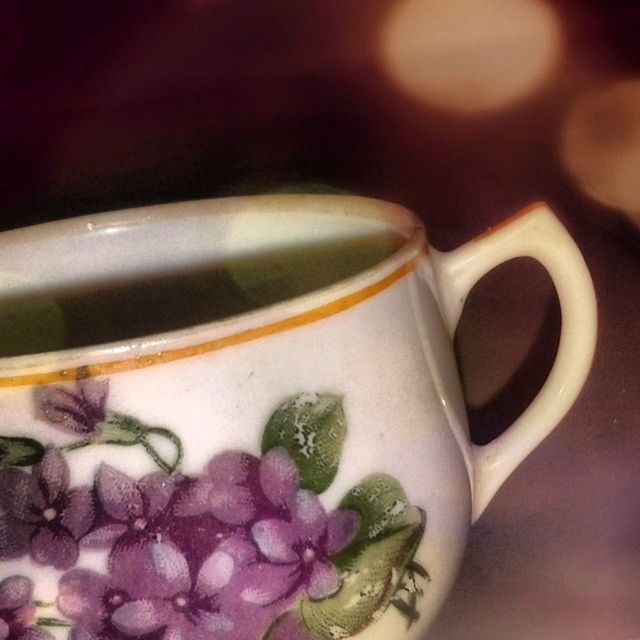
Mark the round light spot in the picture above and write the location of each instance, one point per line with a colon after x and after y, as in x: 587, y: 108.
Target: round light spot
x: 470, y: 55
x: 600, y: 145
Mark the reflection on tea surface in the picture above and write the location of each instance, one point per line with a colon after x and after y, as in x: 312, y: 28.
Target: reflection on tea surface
x: 113, y: 311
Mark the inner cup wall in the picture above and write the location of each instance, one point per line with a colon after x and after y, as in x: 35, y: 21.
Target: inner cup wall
x: 98, y: 251
x: 112, y: 281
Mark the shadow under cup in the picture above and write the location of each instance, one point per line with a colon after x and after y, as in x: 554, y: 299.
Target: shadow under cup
x: 123, y: 276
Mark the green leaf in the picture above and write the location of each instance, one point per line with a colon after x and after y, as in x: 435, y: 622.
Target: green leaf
x: 373, y: 565
x: 382, y: 505
x: 312, y: 428
x: 19, y: 452
x: 369, y: 580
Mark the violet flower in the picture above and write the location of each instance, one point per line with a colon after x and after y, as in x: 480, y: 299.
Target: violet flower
x: 168, y: 598
x: 130, y: 511
x: 290, y: 526
x: 294, y: 539
x: 79, y: 411
x: 297, y: 552
x: 17, y: 611
x: 88, y: 599
x: 41, y: 515
x: 83, y: 412
x: 229, y: 490
x: 238, y: 488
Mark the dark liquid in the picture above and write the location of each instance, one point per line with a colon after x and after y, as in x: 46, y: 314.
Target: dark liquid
x: 113, y: 311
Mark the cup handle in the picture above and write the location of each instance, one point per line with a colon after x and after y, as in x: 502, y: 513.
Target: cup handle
x: 534, y: 232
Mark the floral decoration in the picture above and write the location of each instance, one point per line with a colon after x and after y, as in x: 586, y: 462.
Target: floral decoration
x: 245, y: 550
x: 78, y: 411
x: 17, y: 611
x: 41, y: 515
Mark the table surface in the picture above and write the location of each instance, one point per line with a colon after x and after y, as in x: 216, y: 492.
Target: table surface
x: 132, y: 103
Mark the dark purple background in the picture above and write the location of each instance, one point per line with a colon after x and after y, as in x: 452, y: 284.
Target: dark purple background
x: 112, y: 104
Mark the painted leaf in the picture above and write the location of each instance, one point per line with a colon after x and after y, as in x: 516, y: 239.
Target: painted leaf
x: 369, y: 580
x: 382, y: 505
x: 312, y: 428
x: 19, y: 452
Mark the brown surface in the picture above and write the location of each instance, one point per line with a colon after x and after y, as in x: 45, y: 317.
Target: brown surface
x: 556, y: 553
x: 106, y: 105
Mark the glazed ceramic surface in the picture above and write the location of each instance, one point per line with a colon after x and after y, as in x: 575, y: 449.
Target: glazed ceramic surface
x: 302, y: 471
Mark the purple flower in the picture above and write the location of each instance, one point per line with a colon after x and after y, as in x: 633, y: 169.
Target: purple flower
x: 131, y: 511
x: 17, y: 611
x: 166, y: 597
x: 80, y: 411
x: 297, y: 552
x: 41, y: 515
x: 229, y: 490
x: 239, y: 489
x: 291, y: 529
x: 89, y: 599
x: 289, y: 526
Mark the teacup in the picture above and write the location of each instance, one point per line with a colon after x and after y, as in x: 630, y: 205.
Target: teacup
x: 280, y: 455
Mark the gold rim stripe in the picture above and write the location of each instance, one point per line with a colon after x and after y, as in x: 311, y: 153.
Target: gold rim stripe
x: 505, y: 223
x: 139, y: 362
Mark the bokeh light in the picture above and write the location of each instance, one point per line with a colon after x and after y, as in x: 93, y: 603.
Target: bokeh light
x: 600, y: 145
x: 471, y: 55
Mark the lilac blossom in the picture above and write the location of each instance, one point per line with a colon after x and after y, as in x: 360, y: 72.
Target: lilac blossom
x: 131, y: 511
x: 239, y: 489
x: 41, y: 515
x: 166, y: 597
x: 297, y: 552
x: 79, y: 411
x: 17, y: 611
x: 294, y: 540
x: 89, y: 599
x: 289, y: 526
x: 229, y: 490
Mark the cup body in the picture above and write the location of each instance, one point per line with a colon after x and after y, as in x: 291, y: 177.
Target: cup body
x: 255, y: 468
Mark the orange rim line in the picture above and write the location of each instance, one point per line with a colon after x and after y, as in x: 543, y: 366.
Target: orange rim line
x: 505, y: 223
x: 139, y: 362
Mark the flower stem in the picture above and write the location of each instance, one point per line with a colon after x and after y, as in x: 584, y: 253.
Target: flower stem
x: 52, y: 622
x: 73, y: 446
x: 174, y: 439
x: 155, y: 456
x: 124, y: 430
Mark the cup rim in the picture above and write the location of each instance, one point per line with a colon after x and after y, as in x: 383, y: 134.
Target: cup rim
x: 140, y: 352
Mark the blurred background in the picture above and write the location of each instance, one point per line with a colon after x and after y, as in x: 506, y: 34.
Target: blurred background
x: 464, y: 111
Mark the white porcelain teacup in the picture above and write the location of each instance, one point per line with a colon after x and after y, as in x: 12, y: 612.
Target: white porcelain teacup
x: 241, y: 418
